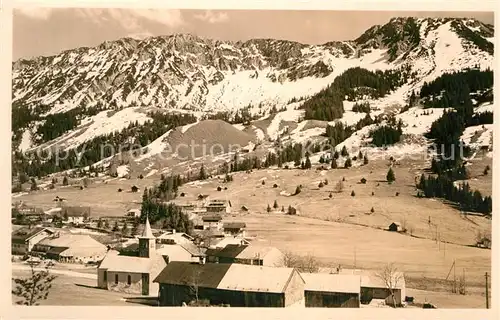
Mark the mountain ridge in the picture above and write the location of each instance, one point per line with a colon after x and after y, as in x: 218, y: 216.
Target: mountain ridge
x: 189, y: 74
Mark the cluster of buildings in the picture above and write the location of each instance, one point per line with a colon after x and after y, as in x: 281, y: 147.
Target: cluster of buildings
x: 227, y: 269
x: 62, y: 247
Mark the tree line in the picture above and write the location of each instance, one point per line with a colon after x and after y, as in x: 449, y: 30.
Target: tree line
x: 443, y: 187
x: 132, y: 138
x: 354, y: 83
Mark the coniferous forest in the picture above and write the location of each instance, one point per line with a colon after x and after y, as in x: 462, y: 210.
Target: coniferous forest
x: 449, y: 164
x: 462, y: 195
x: 38, y: 165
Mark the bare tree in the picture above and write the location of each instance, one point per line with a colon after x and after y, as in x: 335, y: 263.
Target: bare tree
x: 306, y: 263
x: 34, y: 289
x: 391, y: 277
x: 194, y: 286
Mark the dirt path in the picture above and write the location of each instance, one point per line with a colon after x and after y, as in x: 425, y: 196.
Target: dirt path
x: 23, y: 267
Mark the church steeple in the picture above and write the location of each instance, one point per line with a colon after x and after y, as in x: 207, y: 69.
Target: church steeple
x: 147, y: 241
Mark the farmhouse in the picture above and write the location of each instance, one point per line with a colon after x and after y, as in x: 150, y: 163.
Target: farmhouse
x: 71, y: 248
x: 133, y: 213
x: 230, y: 240
x: 181, y: 252
x: 246, y: 254
x: 374, y: 287
x: 24, y: 239
x: 173, y: 237
x: 132, y: 274
x: 323, y: 290
x: 234, y: 228
x: 218, y: 206
x: 233, y: 284
x: 212, y: 222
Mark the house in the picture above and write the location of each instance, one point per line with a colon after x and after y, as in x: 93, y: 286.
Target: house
x: 133, y: 213
x: 24, y: 239
x: 395, y: 226
x: 75, y: 214
x: 212, y: 222
x: 218, y: 206
x: 181, y: 252
x: 374, y: 287
x: 229, y: 240
x: 323, y: 290
x: 234, y: 228
x: 235, y: 285
x: 246, y: 254
x: 71, y: 248
x: 135, y: 274
x: 173, y: 237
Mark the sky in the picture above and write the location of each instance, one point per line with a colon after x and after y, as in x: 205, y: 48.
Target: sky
x: 48, y: 31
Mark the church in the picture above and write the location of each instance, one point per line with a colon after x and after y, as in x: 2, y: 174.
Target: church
x: 133, y: 275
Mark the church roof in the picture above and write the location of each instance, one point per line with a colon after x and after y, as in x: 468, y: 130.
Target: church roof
x: 147, y: 233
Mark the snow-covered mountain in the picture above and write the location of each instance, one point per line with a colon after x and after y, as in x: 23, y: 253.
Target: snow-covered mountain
x: 125, y: 78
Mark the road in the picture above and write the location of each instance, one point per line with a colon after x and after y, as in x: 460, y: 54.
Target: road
x: 25, y: 267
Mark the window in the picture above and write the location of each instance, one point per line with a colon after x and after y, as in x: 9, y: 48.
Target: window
x: 116, y: 279
x: 105, y: 276
x: 129, y: 280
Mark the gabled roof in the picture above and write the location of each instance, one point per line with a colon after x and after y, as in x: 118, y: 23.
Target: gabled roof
x: 242, y: 277
x: 236, y: 277
x: 324, y: 282
x: 119, y: 263
x: 76, y: 245
x: 24, y: 234
x: 234, y: 225
x: 239, y: 251
x: 185, y: 273
x: 212, y: 217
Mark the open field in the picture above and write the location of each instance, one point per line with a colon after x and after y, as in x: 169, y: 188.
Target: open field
x: 78, y: 291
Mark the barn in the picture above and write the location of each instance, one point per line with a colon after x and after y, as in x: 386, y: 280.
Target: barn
x: 323, y: 290
x: 235, y: 285
x: 374, y: 287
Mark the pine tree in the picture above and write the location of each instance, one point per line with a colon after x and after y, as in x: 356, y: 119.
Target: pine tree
x: 268, y: 208
x: 348, y: 163
x: 65, y: 181
x: 365, y: 160
x: 308, y: 163
x: 34, y: 186
x: 334, y: 164
x: 275, y: 205
x: 390, y: 176
x: 99, y: 223
x: 344, y: 152
x: 202, y: 175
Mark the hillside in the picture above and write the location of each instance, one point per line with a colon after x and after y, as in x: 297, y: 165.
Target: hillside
x: 268, y: 89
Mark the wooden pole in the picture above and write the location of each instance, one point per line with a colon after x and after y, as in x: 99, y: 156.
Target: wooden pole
x: 454, y: 279
x: 487, y: 298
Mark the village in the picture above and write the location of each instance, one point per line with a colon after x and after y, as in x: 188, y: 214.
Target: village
x: 219, y: 265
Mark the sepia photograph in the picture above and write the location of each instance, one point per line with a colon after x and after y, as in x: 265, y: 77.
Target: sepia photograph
x: 236, y: 158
